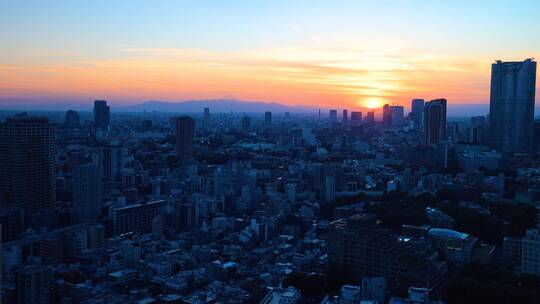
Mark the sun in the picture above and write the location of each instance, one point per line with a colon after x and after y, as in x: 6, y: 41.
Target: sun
x: 372, y: 103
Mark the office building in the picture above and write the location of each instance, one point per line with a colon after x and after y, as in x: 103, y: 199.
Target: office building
x: 206, y: 118
x: 435, y: 121
x: 185, y: 131
x: 374, y: 289
x: 530, y: 253
x: 246, y: 123
x: 33, y: 283
x: 290, y: 190
x: 393, y: 116
x: 370, y: 117
x: 86, y: 193
x: 332, y: 116
x: 111, y: 162
x: 135, y: 218
x: 456, y: 246
x: 512, y: 250
x: 511, y: 106
x: 72, y: 119
x: 345, y: 116
x: 12, y: 223
x: 278, y: 295
x: 417, y: 113
x: 101, y: 117
x: 27, y: 163
x: 356, y: 118
x: 267, y: 118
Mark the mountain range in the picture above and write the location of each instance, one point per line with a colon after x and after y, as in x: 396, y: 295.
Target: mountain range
x: 218, y: 105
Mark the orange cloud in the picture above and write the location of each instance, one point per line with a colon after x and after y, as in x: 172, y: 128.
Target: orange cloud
x: 329, y: 77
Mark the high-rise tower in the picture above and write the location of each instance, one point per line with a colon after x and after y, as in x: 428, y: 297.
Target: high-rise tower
x: 417, y: 113
x: 72, y: 119
x: 185, y: 131
x: 206, y: 118
x: 435, y: 121
x: 267, y: 118
x: 27, y: 163
x: 511, y: 106
x: 101, y: 117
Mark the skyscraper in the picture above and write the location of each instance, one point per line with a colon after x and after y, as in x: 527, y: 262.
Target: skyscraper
x: 356, y: 118
x: 370, y: 117
x: 386, y: 115
x: 33, y: 283
x: 72, y: 119
x: 27, y: 163
x: 511, y: 106
x: 344, y: 116
x: 206, y: 118
x: 435, y: 121
x: 267, y: 118
x: 332, y: 115
x: 393, y: 116
x: 101, y: 116
x: 246, y: 123
x: 417, y: 113
x: 185, y: 131
x: 86, y: 193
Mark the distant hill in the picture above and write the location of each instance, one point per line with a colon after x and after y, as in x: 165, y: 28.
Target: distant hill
x: 219, y: 105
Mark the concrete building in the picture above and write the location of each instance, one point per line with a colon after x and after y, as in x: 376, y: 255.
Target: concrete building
x: 374, y: 289
x: 332, y: 115
x: 102, y: 118
x: 512, y: 250
x: 72, y: 119
x: 267, y: 118
x: 32, y: 284
x: 456, y: 246
x: 417, y: 113
x: 185, y: 132
x: 86, y: 193
x: 370, y: 117
x: 289, y: 295
x: 135, y: 218
x: 206, y: 118
x: 511, y: 107
x: 356, y: 118
x: 530, y: 253
x: 435, y: 121
x: 27, y: 163
x: 393, y: 116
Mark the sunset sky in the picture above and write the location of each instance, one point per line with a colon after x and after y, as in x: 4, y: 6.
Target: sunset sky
x: 326, y: 53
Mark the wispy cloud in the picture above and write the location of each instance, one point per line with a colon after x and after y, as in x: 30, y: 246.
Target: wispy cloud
x: 315, y: 74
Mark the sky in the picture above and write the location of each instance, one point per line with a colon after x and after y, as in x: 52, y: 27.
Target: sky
x: 346, y: 54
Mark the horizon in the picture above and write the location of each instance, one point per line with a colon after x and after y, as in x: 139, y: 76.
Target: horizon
x: 353, y: 55
x: 197, y: 106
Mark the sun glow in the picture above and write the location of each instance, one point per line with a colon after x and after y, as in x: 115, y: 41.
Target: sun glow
x: 372, y: 103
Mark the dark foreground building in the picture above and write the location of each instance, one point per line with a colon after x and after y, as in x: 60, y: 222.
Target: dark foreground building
x: 362, y: 247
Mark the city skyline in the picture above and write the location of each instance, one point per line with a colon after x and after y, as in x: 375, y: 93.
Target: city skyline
x: 352, y: 55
